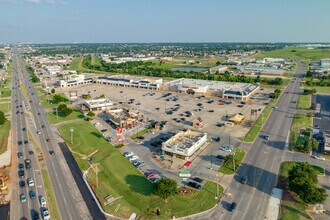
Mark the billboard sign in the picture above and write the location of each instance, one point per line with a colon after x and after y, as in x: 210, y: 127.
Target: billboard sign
x: 119, y: 131
x: 185, y: 174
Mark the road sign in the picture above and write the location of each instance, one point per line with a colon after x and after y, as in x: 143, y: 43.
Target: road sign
x: 184, y: 179
x: 184, y: 174
x: 318, y: 108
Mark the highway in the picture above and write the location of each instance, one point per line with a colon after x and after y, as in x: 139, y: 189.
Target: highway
x: 19, y: 128
x: 262, y: 162
x: 67, y: 194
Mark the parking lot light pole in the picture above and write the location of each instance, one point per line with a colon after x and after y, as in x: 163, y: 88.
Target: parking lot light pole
x: 216, y: 175
x: 71, y: 131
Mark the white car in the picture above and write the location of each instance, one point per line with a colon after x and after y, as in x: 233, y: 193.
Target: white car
x: 96, y: 124
x: 227, y: 148
x: 30, y: 182
x: 128, y: 154
x: 45, y: 214
x: 275, y: 107
x: 319, y: 157
x: 134, y: 157
x: 43, y: 201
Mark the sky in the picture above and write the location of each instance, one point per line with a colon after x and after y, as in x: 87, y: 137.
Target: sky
x: 135, y: 21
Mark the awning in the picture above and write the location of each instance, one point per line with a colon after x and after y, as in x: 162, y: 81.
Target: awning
x: 236, y: 118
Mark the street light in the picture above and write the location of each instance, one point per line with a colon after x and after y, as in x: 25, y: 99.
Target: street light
x: 71, y: 131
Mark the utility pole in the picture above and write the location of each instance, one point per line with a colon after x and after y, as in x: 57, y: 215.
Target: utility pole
x: 234, y: 159
x: 71, y: 131
x: 216, y: 175
x: 211, y: 158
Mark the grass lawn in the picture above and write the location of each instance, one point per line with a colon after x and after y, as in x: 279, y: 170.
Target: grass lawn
x: 76, y: 64
x: 320, y: 89
x: 4, y: 132
x: 54, y: 119
x: 293, y: 208
x: 299, y: 121
x: 48, y: 102
x: 239, y: 155
x: 304, y: 101
x: 255, y: 129
x: 140, y: 133
x: 120, y: 179
x: 5, y: 107
x: 296, y: 53
x: 5, y: 92
x: 177, y: 62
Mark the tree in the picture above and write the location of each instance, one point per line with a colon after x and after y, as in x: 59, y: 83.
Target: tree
x: 52, y: 91
x: 314, y: 143
x: 2, y: 118
x: 165, y: 187
x: 90, y: 114
x: 102, y: 96
x: 302, y: 180
x: 63, y: 108
x: 58, y: 98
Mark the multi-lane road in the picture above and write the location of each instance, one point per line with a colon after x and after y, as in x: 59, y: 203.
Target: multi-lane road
x: 69, y: 200
x: 262, y: 162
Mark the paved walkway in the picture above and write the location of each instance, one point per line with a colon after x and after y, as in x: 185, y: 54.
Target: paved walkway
x: 5, y: 158
x: 67, y: 122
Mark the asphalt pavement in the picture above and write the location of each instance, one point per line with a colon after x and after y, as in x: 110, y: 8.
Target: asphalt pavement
x: 262, y: 162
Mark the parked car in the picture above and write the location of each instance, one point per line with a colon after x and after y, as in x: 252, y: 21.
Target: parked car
x: 20, y: 166
x: 149, y: 174
x: 198, y: 180
x: 141, y: 164
x: 32, y: 194
x: 51, y: 152
x: 227, y: 148
x: 109, y: 139
x: 194, y: 185
x: 103, y: 130
x: 42, y: 201
x: 22, y: 197
x: 140, y: 137
x: 19, y: 154
x: 154, y: 180
x: 96, y: 124
x: 232, y: 207
x: 30, y: 182
x: 134, y: 157
x: 21, y: 173
x: 31, y: 152
x: 45, y: 214
x: 244, y: 180
x: 221, y: 157
x: 128, y: 154
x: 22, y: 183
x: 266, y: 137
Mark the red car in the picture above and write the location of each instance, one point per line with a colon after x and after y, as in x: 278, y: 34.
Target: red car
x: 149, y: 174
x: 138, y: 103
x: 48, y: 140
x: 221, y: 103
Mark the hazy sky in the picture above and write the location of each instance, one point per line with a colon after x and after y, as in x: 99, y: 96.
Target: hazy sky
x: 57, y: 21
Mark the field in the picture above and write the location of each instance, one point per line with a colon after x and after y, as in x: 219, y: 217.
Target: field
x: 5, y: 107
x: 59, y: 117
x: 178, y: 62
x: 320, y: 89
x: 120, y: 179
x: 254, y: 131
x: 304, y: 101
x: 299, y: 121
x: 4, y: 132
x: 239, y: 156
x: 76, y: 64
x: 292, y: 208
x: 296, y: 53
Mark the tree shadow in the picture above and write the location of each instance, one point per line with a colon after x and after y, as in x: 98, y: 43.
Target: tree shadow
x: 98, y: 135
x: 139, y: 184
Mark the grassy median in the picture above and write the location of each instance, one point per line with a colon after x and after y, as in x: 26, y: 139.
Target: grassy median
x: 255, y: 129
x: 120, y: 179
x: 229, y: 168
x: 304, y: 102
x: 299, y: 121
x: 140, y: 133
x: 4, y: 132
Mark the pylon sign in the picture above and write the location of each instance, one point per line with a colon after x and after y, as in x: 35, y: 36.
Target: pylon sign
x: 119, y: 133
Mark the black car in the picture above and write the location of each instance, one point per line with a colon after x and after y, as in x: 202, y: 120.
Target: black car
x: 31, y: 152
x: 220, y: 157
x: 140, y: 137
x: 32, y: 194
x: 232, y: 207
x: 38, y: 113
x: 198, y: 180
x: 216, y: 139
x: 35, y: 216
x: 43, y: 126
x: 103, y: 130
x: 19, y: 142
x: 23, y: 129
x: 20, y: 166
x: 26, y: 141
x: 244, y: 180
x: 21, y: 173
x: 22, y: 183
x: 194, y: 185
x: 51, y: 152
x: 211, y: 110
x: 19, y: 154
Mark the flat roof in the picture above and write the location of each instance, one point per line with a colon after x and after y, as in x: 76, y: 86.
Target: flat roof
x: 184, y: 140
x: 215, y: 85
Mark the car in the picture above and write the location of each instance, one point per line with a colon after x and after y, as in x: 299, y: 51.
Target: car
x: 275, y: 107
x: 227, y: 148
x: 30, y: 182
x: 51, y: 152
x: 19, y: 154
x: 103, y: 130
x: 135, y: 162
x: 22, y: 197
x: 154, y: 180
x: 19, y: 142
x: 216, y: 139
x: 31, y: 152
x: 109, y: 139
x: 244, y: 180
x: 138, y: 103
x: 43, y: 126
x: 21, y: 173
x: 140, y: 137
x: 194, y: 185
x: 21, y: 183
x: 96, y: 124
x: 198, y: 180
x: 35, y: 216
x: 318, y: 157
x: 23, y: 129
x: 32, y: 194
x: 266, y: 137
x: 42, y: 201
x: 232, y: 207
x: 45, y: 214
x: 22, y: 112
x: 128, y: 154
x: 38, y: 113
x: 141, y: 164
x: 221, y: 157
x: 134, y: 157
x: 220, y: 124
x: 26, y: 141
x: 149, y: 175
x: 48, y: 140
x: 20, y: 166
x: 38, y: 132
x: 210, y: 110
